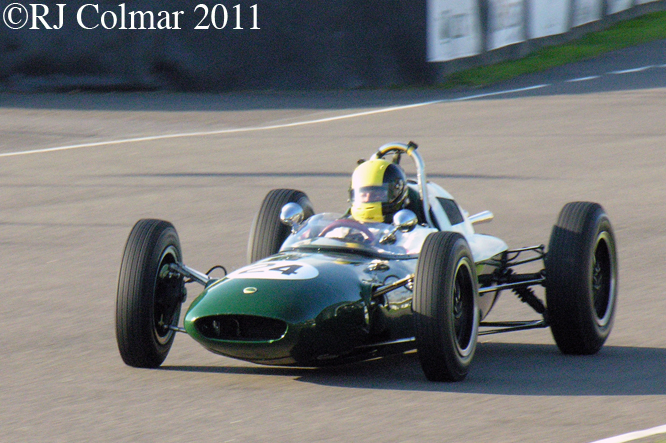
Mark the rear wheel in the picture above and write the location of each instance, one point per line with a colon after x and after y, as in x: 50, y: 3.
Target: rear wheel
x: 268, y: 232
x: 149, y: 296
x: 582, y: 277
x: 446, y: 316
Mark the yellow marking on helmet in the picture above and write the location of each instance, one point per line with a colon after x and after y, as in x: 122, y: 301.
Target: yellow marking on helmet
x: 370, y: 173
x: 367, y: 212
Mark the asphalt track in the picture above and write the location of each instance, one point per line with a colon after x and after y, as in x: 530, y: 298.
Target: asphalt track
x: 65, y: 216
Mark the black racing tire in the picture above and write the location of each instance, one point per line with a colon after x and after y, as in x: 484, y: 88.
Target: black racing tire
x: 149, y: 298
x: 268, y: 232
x: 445, y: 305
x: 581, y: 278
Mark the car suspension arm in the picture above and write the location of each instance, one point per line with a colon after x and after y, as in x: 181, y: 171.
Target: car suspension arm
x: 509, y: 326
x: 190, y: 273
x: 393, y: 286
x: 520, y: 284
x: 517, y: 282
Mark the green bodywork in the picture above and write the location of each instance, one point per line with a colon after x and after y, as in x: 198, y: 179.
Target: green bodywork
x: 330, y: 318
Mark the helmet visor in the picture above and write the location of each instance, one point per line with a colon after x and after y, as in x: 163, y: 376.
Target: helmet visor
x: 370, y: 194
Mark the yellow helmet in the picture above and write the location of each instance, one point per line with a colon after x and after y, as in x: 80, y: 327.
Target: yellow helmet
x: 378, y: 190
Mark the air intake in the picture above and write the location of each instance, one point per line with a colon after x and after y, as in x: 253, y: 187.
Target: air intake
x: 241, y: 327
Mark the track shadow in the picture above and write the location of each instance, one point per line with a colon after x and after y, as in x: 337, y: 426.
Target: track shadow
x: 222, y: 102
x: 559, y: 80
x: 498, y: 369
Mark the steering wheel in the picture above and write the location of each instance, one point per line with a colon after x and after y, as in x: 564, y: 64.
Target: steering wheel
x: 348, y: 223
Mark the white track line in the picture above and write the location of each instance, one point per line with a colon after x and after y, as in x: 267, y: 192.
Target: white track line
x: 305, y: 122
x: 583, y: 79
x: 218, y: 132
x: 629, y: 71
x: 492, y: 94
x: 631, y: 436
x: 261, y: 128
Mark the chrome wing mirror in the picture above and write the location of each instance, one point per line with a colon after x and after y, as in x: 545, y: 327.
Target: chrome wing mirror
x: 404, y: 220
x: 292, y: 215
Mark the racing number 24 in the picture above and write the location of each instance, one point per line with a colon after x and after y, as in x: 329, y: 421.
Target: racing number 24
x: 219, y: 16
x: 285, y: 269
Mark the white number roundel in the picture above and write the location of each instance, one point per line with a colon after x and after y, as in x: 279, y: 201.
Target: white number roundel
x: 279, y: 270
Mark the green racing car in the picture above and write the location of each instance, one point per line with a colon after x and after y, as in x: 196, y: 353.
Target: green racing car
x: 403, y: 269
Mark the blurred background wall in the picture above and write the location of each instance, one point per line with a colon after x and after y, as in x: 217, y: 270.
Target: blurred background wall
x: 300, y: 44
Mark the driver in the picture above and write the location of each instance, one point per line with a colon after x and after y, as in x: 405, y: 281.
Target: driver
x: 378, y: 190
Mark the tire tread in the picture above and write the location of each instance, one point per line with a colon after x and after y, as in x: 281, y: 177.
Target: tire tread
x: 133, y: 336
x: 437, y: 250
x: 567, y: 263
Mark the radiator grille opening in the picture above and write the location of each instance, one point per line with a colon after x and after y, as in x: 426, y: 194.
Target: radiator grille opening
x: 241, y: 327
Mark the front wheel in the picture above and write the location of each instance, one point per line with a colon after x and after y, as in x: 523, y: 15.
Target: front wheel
x: 582, y: 276
x: 149, y: 296
x: 445, y: 305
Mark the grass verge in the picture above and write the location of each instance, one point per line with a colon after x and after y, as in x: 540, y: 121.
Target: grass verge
x: 621, y: 35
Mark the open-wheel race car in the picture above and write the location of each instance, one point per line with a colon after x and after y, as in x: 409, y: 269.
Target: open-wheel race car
x: 402, y: 269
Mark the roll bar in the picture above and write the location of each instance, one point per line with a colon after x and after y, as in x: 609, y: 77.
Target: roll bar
x: 410, y: 149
